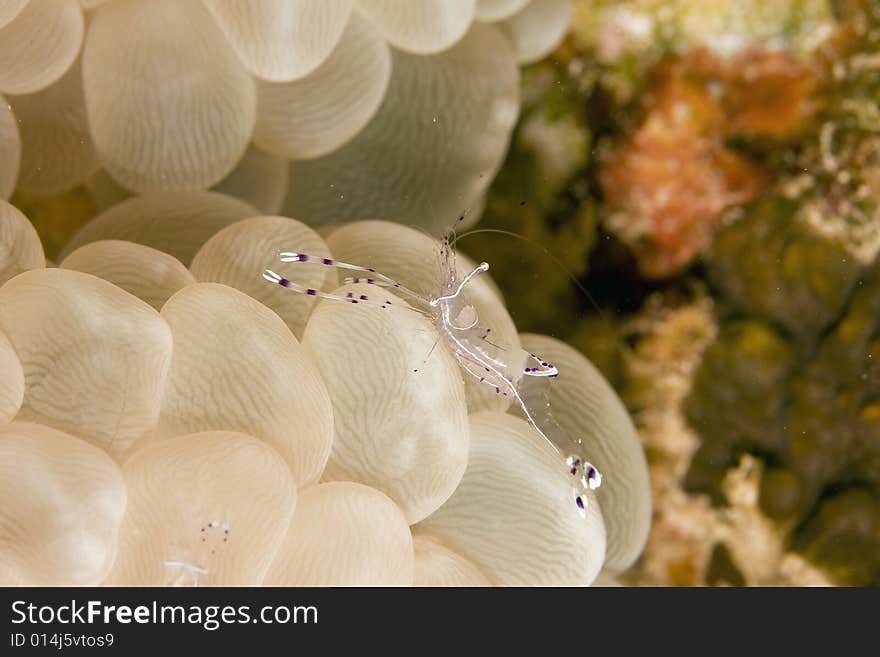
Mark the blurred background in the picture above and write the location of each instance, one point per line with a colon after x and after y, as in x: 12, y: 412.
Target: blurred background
x: 697, y: 183
x: 708, y: 171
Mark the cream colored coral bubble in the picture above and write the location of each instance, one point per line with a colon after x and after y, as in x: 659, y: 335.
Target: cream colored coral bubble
x: 538, y: 28
x: 317, y: 114
x: 437, y: 565
x: 10, y: 149
x: 20, y: 247
x: 596, y: 426
x: 177, y: 223
x: 281, y: 40
x: 238, y: 367
x: 63, y: 503
x: 11, y: 380
x: 514, y: 514
x: 606, y: 581
x: 9, y: 9
x: 413, y: 259
x: 39, y: 45
x: 260, y: 179
x: 57, y: 151
x: 344, y: 534
x: 208, y: 508
x: 169, y: 104
x: 436, y: 142
x: 95, y: 358
x: 238, y: 254
x: 148, y: 274
x: 398, y: 402
x: 496, y: 10
x: 420, y: 26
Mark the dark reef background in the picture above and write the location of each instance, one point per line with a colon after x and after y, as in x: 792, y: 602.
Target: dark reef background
x: 711, y: 221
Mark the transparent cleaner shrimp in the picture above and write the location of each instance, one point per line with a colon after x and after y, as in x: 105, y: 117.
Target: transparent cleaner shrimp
x: 456, y: 320
x: 183, y: 572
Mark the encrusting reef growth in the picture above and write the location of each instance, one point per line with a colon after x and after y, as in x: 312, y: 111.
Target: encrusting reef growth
x: 222, y: 430
x: 724, y: 186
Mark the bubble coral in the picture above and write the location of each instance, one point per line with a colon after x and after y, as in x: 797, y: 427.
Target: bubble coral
x: 391, y: 168
x: 39, y: 44
x: 94, y: 357
x: 48, y: 478
x: 344, y: 534
x: 512, y: 515
x: 257, y: 399
x: 56, y: 147
x: 301, y: 81
x: 284, y: 402
x: 20, y: 248
x: 132, y: 81
x: 10, y: 149
x: 207, y: 508
x: 261, y: 437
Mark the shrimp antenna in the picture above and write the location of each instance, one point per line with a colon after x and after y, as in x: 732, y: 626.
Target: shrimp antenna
x: 546, y: 251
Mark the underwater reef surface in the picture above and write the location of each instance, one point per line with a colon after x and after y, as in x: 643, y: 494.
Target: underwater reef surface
x: 722, y: 177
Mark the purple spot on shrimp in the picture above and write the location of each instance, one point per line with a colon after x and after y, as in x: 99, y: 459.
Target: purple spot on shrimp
x: 283, y: 282
x: 302, y: 257
x: 363, y: 297
x: 327, y: 261
x: 371, y: 280
x: 311, y: 292
x: 371, y: 270
x: 579, y: 502
x: 349, y: 295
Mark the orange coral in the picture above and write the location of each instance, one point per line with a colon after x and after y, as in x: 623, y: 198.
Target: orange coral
x: 770, y: 94
x: 668, y: 183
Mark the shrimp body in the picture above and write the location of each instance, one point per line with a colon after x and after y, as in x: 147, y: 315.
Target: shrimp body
x: 503, y: 368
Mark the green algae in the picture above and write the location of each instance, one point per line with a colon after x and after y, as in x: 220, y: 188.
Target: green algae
x: 770, y: 263
x: 813, y: 414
